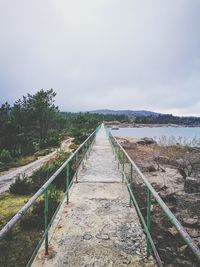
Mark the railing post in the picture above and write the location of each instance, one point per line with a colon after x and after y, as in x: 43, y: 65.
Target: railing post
x: 67, y: 182
x: 89, y: 147
x: 46, y: 208
x: 115, y: 149
x: 118, y: 155
x: 131, y: 183
x: 76, y: 167
x: 86, y: 150
x: 149, y: 221
x: 111, y: 142
x: 122, y: 166
x: 83, y: 155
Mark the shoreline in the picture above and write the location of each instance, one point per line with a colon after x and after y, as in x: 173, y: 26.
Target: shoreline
x: 142, y: 125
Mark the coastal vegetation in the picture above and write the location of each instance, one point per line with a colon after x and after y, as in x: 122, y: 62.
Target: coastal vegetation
x: 33, y: 124
x: 168, y: 119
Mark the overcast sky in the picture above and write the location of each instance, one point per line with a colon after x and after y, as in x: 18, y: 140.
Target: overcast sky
x: 117, y: 54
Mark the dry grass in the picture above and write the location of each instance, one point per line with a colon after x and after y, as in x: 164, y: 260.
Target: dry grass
x: 9, y: 205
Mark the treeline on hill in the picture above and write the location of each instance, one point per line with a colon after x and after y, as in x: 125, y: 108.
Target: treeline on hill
x: 80, y: 125
x: 168, y: 118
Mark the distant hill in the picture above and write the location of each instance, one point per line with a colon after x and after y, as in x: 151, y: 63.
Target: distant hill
x: 129, y: 113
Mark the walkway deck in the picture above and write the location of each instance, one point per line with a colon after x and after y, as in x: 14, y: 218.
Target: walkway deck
x: 97, y: 228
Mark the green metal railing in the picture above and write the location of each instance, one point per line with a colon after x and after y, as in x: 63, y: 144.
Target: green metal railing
x: 78, y: 156
x: 120, y: 155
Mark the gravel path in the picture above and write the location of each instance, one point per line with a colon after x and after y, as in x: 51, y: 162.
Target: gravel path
x: 7, y: 177
x: 97, y: 228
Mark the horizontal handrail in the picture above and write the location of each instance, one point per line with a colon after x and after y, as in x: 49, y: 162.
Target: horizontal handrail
x: 185, y: 236
x: 26, y: 207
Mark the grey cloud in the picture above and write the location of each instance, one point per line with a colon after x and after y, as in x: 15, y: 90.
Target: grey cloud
x: 134, y: 54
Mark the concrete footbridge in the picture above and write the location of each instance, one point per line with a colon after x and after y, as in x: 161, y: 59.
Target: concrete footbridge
x: 99, y: 222
x: 97, y: 227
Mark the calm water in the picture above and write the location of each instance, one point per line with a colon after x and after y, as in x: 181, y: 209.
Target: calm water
x: 163, y: 135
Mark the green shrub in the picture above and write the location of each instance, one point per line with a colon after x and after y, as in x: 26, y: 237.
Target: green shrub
x: 5, y: 156
x: 52, y: 140
x: 21, y: 186
x: 24, y: 185
x: 35, y: 217
x: 40, y: 176
x: 3, y: 167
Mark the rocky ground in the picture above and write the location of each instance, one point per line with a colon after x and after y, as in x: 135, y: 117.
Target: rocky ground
x: 175, y: 173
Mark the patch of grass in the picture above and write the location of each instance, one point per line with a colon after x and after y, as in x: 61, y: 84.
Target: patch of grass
x: 42, y: 152
x: 23, y: 160
x: 73, y: 146
x: 10, y: 205
x: 17, y: 246
x: 17, y: 163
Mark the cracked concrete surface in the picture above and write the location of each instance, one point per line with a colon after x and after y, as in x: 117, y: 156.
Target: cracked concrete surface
x: 97, y: 228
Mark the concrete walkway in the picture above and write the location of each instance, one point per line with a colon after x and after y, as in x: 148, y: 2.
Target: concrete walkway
x: 97, y: 228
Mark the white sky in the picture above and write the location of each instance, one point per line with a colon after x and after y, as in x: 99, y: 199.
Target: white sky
x: 117, y: 54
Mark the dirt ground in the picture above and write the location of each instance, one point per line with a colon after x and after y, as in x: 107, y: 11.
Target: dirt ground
x: 166, y: 168
x: 7, y: 177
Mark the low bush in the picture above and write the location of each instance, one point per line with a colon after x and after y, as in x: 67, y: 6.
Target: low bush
x: 22, y: 185
x: 5, y: 156
x: 35, y: 217
x: 53, y: 139
x: 40, y: 176
x: 3, y: 167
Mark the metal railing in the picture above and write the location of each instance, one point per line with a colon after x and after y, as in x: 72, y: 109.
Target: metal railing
x: 78, y: 157
x: 120, y: 155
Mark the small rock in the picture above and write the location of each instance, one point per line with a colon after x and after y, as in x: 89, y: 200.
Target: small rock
x: 162, y: 159
x: 103, y: 236
x: 87, y: 236
x: 126, y: 261
x: 190, y: 222
x: 180, y: 162
x: 182, y: 248
x: 173, y: 231
x: 194, y: 233
x: 148, y: 168
x: 168, y: 197
x: 146, y: 141
x: 136, y: 244
x: 192, y: 185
